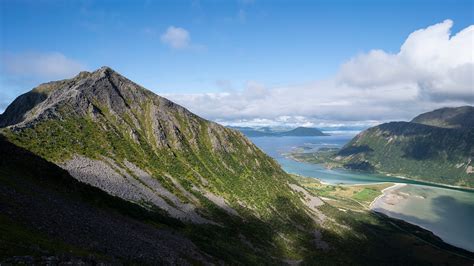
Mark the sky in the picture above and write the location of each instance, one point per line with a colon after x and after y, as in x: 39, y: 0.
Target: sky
x: 254, y: 62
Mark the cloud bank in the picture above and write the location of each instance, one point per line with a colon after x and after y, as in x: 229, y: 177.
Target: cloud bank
x: 432, y: 69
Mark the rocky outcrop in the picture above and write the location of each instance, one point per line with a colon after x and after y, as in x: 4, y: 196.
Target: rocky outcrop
x: 311, y: 202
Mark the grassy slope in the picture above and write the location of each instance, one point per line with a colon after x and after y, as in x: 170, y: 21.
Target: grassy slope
x: 354, y: 237
x: 262, y: 188
x: 416, y: 151
x: 192, y: 150
x: 27, y: 174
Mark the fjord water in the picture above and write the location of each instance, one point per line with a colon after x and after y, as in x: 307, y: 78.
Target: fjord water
x: 447, y: 212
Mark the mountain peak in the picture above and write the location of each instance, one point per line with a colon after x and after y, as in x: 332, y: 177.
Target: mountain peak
x: 82, y: 95
x: 101, y: 72
x: 106, y: 70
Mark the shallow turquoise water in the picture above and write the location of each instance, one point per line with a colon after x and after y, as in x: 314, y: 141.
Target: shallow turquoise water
x: 447, y: 212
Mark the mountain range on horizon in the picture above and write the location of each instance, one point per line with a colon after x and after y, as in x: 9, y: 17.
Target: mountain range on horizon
x: 271, y: 132
x: 97, y: 169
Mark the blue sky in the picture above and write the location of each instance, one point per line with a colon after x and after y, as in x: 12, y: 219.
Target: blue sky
x: 226, y: 46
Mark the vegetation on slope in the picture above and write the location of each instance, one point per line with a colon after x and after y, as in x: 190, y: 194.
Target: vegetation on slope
x: 437, y: 147
x: 458, y: 117
x: 427, y: 153
x: 43, y: 193
x: 111, y: 117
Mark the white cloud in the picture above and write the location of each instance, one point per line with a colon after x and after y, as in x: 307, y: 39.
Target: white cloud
x: 45, y: 66
x: 176, y: 38
x: 433, y: 63
x: 432, y: 69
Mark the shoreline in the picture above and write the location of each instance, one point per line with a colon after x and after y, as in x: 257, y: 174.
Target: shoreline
x: 421, y: 182
x: 377, y: 208
x: 440, y: 185
x: 385, y: 192
x: 390, y: 192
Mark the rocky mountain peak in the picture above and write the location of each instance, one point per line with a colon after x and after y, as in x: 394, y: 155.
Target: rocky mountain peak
x: 102, y: 88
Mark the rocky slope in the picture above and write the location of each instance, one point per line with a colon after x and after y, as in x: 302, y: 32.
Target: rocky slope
x: 418, y: 149
x: 113, y: 134
x: 47, y: 214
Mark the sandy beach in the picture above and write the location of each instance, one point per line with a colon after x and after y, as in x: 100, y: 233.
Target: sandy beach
x: 389, y: 196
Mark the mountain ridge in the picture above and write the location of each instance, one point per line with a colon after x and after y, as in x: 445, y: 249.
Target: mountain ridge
x: 450, y: 117
x: 432, y: 148
x: 104, y: 101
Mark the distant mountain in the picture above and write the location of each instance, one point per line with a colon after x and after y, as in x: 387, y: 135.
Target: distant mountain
x: 459, y: 117
x: 251, y: 132
x: 267, y: 132
x: 437, y: 146
x: 303, y: 132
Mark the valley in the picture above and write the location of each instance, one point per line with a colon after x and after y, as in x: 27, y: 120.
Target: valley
x: 301, y: 156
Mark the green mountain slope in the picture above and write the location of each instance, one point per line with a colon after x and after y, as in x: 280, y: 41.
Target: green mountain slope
x: 103, y: 125
x: 111, y: 133
x: 424, y: 152
x: 46, y: 212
